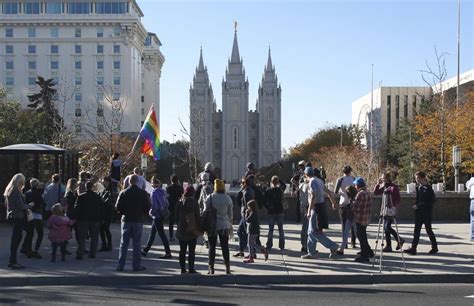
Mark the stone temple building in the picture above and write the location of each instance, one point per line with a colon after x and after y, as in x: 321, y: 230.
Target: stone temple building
x: 235, y: 135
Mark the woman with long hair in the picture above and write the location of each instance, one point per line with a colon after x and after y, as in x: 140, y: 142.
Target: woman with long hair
x: 16, y: 213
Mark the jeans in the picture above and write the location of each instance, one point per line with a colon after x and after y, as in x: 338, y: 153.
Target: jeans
x: 365, y: 250
x: 315, y: 235
x: 304, y: 230
x: 62, y: 246
x: 348, y: 226
x: 254, y: 242
x: 17, y: 233
x: 31, y: 226
x: 224, y: 241
x: 242, y: 234
x: 105, y: 234
x: 183, y: 245
x: 83, y: 228
x: 423, y: 216
x: 389, y: 231
x: 130, y: 230
x: 157, y: 225
x: 472, y: 219
x: 281, y: 234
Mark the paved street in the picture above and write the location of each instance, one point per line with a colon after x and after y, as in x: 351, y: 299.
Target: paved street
x: 413, y: 294
x: 456, y: 258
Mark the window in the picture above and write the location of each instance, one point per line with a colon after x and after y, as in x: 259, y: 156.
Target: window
x: 100, y: 32
x: 8, y: 32
x: 77, y: 32
x: 54, y: 32
x: 414, y: 105
x: 111, y: 8
x: 116, y: 64
x: 78, y: 112
x: 100, y: 49
x: 56, y: 80
x: 9, y: 49
x: 397, y: 111
x: 31, y: 81
x: 100, y: 97
x: 77, y: 81
x: 78, y: 8
x: 116, y: 97
x: 100, y: 127
x: 31, y: 65
x: 78, y: 127
x: 100, y: 81
x: 405, y: 107
x: 9, y: 81
x: 117, y: 31
x: 143, y: 99
x: 100, y: 64
x: 31, y: 49
x: 235, y: 138
x: 116, y: 49
x: 100, y: 111
x: 9, y: 65
x: 143, y: 112
x: 77, y: 65
x: 32, y: 8
x: 389, y: 116
x: 78, y: 49
x: 10, y: 8
x: 31, y: 32
x: 54, y: 65
x: 53, y: 8
x: 116, y: 80
x: 77, y: 97
x: 54, y: 49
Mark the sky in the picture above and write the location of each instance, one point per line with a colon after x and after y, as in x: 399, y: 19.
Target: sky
x: 322, y: 51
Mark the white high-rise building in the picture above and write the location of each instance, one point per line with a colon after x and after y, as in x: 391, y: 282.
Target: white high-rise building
x: 235, y: 136
x: 97, y: 51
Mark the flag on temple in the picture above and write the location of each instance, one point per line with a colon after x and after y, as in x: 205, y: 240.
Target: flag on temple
x: 151, y: 134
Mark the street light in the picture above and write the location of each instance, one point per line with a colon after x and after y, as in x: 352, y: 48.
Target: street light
x: 340, y: 128
x: 144, y: 163
x: 456, y: 165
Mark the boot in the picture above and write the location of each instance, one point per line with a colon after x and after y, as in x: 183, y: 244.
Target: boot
x: 103, y: 248
x: 211, y: 270
x: 227, y: 268
x: 109, y: 247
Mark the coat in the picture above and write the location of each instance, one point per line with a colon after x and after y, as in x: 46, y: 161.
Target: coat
x: 186, y: 210
x: 59, y: 228
x: 16, y: 205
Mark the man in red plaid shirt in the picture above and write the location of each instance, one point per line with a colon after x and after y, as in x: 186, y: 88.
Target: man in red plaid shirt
x: 361, y: 210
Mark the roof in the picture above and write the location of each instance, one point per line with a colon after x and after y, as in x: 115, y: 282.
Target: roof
x: 31, y: 148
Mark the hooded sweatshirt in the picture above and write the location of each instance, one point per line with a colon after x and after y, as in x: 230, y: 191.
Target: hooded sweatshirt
x: 159, y: 201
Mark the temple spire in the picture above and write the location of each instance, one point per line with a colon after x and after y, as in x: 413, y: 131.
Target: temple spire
x: 269, y: 61
x: 235, y: 58
x: 201, y: 62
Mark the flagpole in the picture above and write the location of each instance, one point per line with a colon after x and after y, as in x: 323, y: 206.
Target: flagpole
x: 138, y: 137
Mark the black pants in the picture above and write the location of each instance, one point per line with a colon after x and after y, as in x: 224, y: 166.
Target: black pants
x: 157, y: 226
x: 183, y: 245
x: 297, y: 207
x: 105, y: 234
x: 423, y: 217
x: 17, y: 234
x: 366, y: 251
x: 224, y: 242
x: 92, y: 228
x: 389, y: 231
x: 31, y: 227
x: 55, y: 245
x: 172, y: 209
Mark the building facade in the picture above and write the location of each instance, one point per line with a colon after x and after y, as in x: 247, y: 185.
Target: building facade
x: 235, y: 135
x: 382, y: 111
x: 98, y: 53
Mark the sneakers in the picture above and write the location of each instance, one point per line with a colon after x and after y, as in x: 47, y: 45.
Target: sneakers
x: 411, y: 251
x: 193, y: 271
x: 400, y: 244
x: 249, y: 260
x: 144, y: 253
x: 239, y: 254
x: 433, y: 251
x: 308, y: 256
x: 362, y: 259
x: 340, y: 252
x: 15, y: 266
x: 333, y: 254
x: 166, y: 256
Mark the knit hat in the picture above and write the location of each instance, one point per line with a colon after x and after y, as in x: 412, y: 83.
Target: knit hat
x: 189, y: 191
x: 309, y: 171
x: 219, y: 185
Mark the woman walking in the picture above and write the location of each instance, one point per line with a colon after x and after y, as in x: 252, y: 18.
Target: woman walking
x: 16, y: 213
x: 107, y: 196
x: 159, y: 203
x: 34, y: 197
x: 188, y: 231
x: 223, y: 205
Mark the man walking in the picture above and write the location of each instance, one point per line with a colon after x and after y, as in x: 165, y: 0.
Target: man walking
x: 133, y: 204
x: 345, y: 209
x: 89, y: 211
x: 361, y: 211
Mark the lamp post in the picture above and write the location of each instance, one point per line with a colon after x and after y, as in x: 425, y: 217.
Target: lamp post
x: 144, y: 163
x: 340, y: 128
x: 456, y: 165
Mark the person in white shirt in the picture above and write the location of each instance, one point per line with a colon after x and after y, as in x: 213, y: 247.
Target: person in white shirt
x: 345, y: 210
x: 470, y: 187
x: 141, y: 180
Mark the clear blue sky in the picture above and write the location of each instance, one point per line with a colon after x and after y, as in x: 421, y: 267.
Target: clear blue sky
x: 322, y: 50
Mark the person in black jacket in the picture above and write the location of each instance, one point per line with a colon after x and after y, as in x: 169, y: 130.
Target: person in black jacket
x: 89, y: 211
x: 425, y: 199
x: 34, y: 197
x: 175, y: 192
x: 133, y: 204
x: 107, y: 196
x: 274, y: 205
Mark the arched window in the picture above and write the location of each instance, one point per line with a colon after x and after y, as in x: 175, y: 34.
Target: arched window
x: 270, y: 129
x: 235, y: 111
x: 270, y: 113
x: 235, y: 138
x: 270, y: 144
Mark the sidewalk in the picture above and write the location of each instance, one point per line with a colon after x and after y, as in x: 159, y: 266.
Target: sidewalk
x: 454, y: 263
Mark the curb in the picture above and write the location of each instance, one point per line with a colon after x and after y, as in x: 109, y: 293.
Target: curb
x: 241, y: 279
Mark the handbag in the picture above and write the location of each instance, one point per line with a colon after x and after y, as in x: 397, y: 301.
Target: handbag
x: 192, y: 226
x: 209, y: 219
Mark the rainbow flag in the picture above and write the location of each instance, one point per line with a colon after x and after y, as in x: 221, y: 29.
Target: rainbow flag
x: 151, y: 133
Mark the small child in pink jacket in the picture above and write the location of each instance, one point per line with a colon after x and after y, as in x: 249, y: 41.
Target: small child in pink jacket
x: 59, y: 231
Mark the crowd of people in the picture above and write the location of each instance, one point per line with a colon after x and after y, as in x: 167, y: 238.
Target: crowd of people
x: 88, y: 206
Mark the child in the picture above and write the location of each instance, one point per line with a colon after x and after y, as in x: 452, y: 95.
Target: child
x: 59, y: 231
x: 253, y: 231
